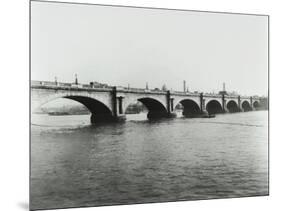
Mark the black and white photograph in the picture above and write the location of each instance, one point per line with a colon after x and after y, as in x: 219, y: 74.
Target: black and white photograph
x: 134, y: 105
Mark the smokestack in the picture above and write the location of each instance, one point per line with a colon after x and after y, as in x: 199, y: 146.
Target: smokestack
x: 76, y: 79
x: 184, y: 86
x: 223, y: 87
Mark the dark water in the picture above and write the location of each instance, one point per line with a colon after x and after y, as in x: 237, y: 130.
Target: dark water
x: 76, y: 164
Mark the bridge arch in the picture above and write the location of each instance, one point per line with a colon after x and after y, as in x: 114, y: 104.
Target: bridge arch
x: 214, y: 107
x: 155, y: 107
x: 246, y: 106
x: 190, y: 108
x: 99, y: 110
x: 232, y: 106
x: 256, y: 105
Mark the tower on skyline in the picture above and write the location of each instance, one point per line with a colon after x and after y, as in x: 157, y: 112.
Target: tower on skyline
x: 76, y: 79
x: 223, y: 92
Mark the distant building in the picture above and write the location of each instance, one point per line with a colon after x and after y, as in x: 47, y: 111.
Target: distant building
x: 135, y: 108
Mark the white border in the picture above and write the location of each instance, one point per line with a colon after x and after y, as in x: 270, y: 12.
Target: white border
x: 14, y: 84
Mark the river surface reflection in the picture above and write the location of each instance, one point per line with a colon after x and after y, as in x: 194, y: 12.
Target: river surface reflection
x: 77, y: 164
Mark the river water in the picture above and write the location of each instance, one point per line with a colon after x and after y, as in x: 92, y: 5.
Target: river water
x: 74, y: 163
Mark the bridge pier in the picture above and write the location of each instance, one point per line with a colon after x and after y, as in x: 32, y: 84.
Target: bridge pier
x: 224, y: 109
x: 170, y: 106
x: 203, y: 110
x: 251, y: 103
x: 117, y: 114
x: 239, y: 104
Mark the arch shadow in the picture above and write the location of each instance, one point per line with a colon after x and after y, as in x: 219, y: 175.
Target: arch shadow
x: 214, y: 107
x: 100, y: 112
x: 232, y: 106
x: 190, y: 108
x: 246, y: 106
x: 256, y: 105
x: 155, y: 108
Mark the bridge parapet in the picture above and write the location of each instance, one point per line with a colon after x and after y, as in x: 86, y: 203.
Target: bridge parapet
x: 59, y: 85
x: 71, y: 88
x: 138, y: 90
x: 245, y: 97
x: 231, y: 96
x: 212, y: 95
x: 185, y: 93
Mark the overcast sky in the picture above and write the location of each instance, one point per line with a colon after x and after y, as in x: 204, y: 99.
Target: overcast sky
x: 120, y: 46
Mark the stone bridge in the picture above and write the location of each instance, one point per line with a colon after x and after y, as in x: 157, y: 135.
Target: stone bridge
x: 110, y: 103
